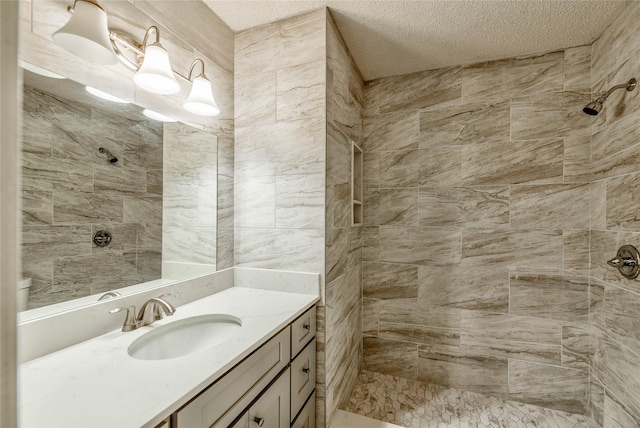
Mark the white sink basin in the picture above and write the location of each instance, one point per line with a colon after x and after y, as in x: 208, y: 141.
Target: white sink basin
x: 184, y: 337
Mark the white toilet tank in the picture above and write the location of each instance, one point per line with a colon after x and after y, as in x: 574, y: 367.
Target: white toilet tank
x: 23, y: 294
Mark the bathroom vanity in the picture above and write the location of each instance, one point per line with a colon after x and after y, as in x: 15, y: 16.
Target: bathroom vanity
x: 261, y: 376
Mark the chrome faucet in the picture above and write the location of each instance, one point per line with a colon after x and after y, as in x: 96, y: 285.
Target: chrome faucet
x: 152, y: 310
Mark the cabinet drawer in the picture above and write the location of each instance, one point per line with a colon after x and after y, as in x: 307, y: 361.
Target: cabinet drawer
x: 303, y: 377
x: 302, y: 330
x: 272, y: 408
x: 307, y: 416
x: 223, y: 401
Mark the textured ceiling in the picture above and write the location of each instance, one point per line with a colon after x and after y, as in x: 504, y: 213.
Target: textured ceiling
x: 393, y: 37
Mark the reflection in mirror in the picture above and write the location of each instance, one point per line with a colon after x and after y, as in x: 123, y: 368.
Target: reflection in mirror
x: 91, y: 165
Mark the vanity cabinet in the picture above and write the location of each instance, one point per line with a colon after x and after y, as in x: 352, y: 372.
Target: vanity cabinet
x: 271, y: 388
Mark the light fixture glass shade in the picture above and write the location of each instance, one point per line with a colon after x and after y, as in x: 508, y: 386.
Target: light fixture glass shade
x: 200, y: 100
x: 157, y: 116
x: 155, y: 74
x: 86, y: 34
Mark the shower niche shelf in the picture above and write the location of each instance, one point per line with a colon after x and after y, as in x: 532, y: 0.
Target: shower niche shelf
x: 356, y: 184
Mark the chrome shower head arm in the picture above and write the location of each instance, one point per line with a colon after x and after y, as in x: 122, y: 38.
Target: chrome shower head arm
x: 629, y: 86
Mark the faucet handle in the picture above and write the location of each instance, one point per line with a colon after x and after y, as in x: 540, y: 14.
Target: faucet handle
x: 130, y: 321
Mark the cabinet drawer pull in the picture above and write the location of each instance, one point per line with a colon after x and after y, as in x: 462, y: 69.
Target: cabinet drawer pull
x: 259, y: 421
x: 306, y: 326
x: 306, y: 370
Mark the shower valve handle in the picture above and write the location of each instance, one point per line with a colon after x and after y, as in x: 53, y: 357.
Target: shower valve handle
x: 627, y: 261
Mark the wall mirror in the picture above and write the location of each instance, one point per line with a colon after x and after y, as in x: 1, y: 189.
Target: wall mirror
x: 90, y: 165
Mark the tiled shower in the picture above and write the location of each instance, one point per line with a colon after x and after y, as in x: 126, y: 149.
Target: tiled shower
x: 492, y: 204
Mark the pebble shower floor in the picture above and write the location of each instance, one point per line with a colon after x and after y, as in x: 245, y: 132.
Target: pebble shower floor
x: 412, y: 404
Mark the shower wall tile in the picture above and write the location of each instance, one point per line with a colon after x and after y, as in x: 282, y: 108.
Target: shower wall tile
x: 460, y: 125
x: 406, y: 245
x: 549, y: 296
x: 194, y: 244
x: 577, y: 159
x: 423, y: 335
x: 390, y: 357
x: 389, y: 281
x: 300, y: 91
x: 464, y: 288
x: 549, y: 115
x: 343, y: 295
x: 439, y: 166
x: 125, y: 237
x: 512, y: 336
x: 400, y: 168
x: 44, y: 173
x: 622, y: 202
x: 577, y: 69
x: 36, y: 207
x: 622, y: 317
x: 548, y: 386
x: 616, y: 414
x: 596, y: 400
x: 454, y: 368
x: 74, y: 207
x: 413, y: 91
x: 392, y: 131
x: 517, y: 162
x: 398, y: 207
x: 509, y: 78
x: 299, y: 201
x: 575, y: 345
x: 599, y: 205
x: 613, y: 149
x: 255, y: 201
x: 576, y: 252
x: 622, y: 104
x: 561, y: 206
x: 40, y: 242
x: 255, y: 96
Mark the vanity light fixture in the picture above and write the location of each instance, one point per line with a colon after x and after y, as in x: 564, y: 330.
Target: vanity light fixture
x: 200, y: 100
x: 155, y: 74
x: 86, y: 33
x: 157, y: 116
x: 105, y: 96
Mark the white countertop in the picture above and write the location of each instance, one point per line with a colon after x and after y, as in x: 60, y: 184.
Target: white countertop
x: 97, y: 384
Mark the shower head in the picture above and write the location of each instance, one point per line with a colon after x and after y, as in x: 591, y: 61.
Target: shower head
x: 594, y: 107
x: 111, y: 158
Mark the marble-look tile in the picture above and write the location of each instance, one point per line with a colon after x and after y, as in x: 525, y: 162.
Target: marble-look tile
x: 440, y: 206
x: 614, y: 149
x: 255, y: 201
x: 603, y: 247
x: 119, y: 181
x: 100, y: 271
x: 291, y: 249
x: 149, y: 236
x: 622, y: 202
x: 464, y: 124
x: 37, y: 129
x: 555, y: 297
x: 458, y: 369
x: 149, y: 264
x: 390, y: 357
x: 617, y: 368
x: 505, y: 79
x: 616, y: 414
x: 576, y: 252
x: 420, y: 334
x: 409, y: 311
x: 339, y: 157
x: 336, y: 253
x: 154, y: 182
x: 188, y: 151
x: 460, y: 287
x: 299, y: 201
x: 225, y: 202
x: 575, y: 345
x: 292, y: 41
x: 389, y: 281
x: 400, y: 168
x: 512, y: 336
x: 413, y: 91
x: 392, y: 131
x: 338, y: 203
x: 596, y: 400
x: 416, y: 404
x: 369, y: 317
x: 391, y: 207
x: 297, y: 147
x: 622, y: 316
x: 37, y: 207
x: 440, y: 166
x: 517, y: 162
x: 74, y: 207
x: 549, y: 115
x: 189, y: 244
x: 301, y: 91
x: 146, y: 210
x: 577, y: 69
x: 207, y: 200
x: 406, y: 245
x: 621, y: 104
x: 40, y: 172
x: 342, y: 295
x: 577, y: 159
x: 124, y: 236
x: 224, y: 248
x: 553, y: 387
x: 371, y: 243
x: 41, y: 274
x: 557, y: 206
x: 599, y: 204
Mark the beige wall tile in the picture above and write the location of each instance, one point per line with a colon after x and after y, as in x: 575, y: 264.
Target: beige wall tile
x: 397, y: 207
x: 577, y: 69
x: 301, y: 91
x: 390, y: 357
x: 393, y: 131
x: 389, y: 281
x: 614, y: 149
x: 561, y: 206
x: 576, y: 252
x: 406, y: 245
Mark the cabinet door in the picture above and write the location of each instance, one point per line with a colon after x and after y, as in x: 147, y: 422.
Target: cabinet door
x: 243, y: 422
x: 272, y: 408
x: 307, y: 416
